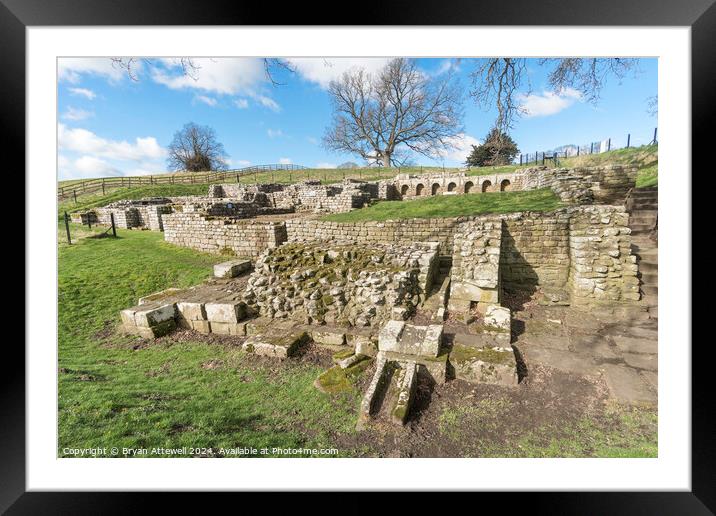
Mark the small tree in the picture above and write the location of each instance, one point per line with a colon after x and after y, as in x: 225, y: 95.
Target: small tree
x: 196, y: 149
x: 497, y: 149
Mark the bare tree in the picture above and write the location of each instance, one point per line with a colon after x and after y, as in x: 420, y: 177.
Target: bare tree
x: 272, y: 65
x: 383, y: 117
x: 196, y: 149
x: 498, y: 81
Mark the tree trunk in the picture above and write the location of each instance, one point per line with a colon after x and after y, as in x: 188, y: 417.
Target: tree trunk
x: 385, y: 159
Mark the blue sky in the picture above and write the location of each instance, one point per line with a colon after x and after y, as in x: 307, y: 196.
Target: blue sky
x: 110, y: 125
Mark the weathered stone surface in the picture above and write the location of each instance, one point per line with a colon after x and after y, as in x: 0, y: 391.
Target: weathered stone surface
x: 648, y: 362
x: 406, y: 384
x: 279, y: 346
x: 224, y: 328
x: 201, y: 326
x: 191, y: 311
x: 158, y: 296
x: 486, y: 365
x: 498, y: 318
x: 150, y: 332
x: 232, y: 268
x: 627, y: 384
x: 225, y: 312
x: 389, y: 335
x: 479, y: 340
x: 155, y: 315
x: 330, y: 337
x: 408, y: 339
x: 434, y: 367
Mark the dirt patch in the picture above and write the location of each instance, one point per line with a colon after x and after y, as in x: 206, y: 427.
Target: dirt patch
x: 460, y: 419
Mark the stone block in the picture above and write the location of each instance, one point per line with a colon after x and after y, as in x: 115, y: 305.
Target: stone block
x: 222, y: 328
x: 486, y: 365
x: 200, y: 326
x: 151, y: 332
x: 155, y: 315
x: 192, y: 311
x: 329, y: 337
x: 225, y: 312
x: 232, y: 268
x: 389, y: 335
x: 498, y: 318
x: 279, y: 346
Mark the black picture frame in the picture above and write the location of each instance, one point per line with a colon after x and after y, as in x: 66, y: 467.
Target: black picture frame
x: 700, y: 15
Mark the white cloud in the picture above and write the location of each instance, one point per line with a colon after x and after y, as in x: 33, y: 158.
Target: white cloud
x: 90, y: 166
x: 285, y: 161
x: 274, y: 133
x: 460, y: 148
x: 447, y: 65
x: 268, y: 103
x: 548, y: 103
x: 83, y: 92
x: 209, y: 101
x: 243, y: 163
x: 76, y: 114
x: 326, y: 165
x: 86, y: 142
x: 228, y: 76
x: 323, y: 70
x: 218, y: 75
x: 70, y: 69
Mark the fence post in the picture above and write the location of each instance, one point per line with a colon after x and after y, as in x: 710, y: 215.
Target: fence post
x: 129, y: 180
x: 114, y: 229
x: 102, y: 186
x: 609, y: 144
x: 578, y: 147
x: 67, y: 228
x: 628, y: 140
x: 654, y: 141
x: 74, y: 194
x: 520, y: 159
x: 591, y: 149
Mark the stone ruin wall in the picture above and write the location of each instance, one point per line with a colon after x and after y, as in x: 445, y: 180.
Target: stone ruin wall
x: 306, y: 196
x: 402, y: 232
x: 475, y: 272
x: 580, y: 185
x: 535, y: 250
x: 341, y: 284
x: 602, y: 266
x: 230, y: 236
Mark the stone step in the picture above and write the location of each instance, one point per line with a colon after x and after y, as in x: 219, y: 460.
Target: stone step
x: 643, y: 219
x: 651, y: 279
x: 645, y: 205
x: 638, y: 228
x: 650, y: 290
x: 643, y: 213
x: 645, y: 195
x: 648, y: 267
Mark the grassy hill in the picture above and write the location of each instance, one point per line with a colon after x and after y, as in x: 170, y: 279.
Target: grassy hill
x: 454, y: 206
x: 646, y: 158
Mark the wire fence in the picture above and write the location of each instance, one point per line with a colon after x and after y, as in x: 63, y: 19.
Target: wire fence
x: 569, y: 151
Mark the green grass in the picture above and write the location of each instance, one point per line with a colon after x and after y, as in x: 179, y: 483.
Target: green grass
x: 617, y: 431
x: 165, y: 394
x: 454, y: 206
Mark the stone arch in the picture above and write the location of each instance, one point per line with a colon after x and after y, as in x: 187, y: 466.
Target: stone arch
x: 404, y: 190
x: 468, y: 186
x: 504, y: 185
x: 435, y: 189
x: 486, y: 184
x: 452, y: 187
x: 419, y: 189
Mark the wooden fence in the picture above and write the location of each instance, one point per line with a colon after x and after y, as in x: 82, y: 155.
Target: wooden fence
x: 107, y: 183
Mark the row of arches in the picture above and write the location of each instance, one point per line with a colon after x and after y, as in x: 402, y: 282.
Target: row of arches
x: 469, y: 186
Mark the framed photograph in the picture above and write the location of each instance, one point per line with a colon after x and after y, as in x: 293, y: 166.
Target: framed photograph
x: 421, y: 250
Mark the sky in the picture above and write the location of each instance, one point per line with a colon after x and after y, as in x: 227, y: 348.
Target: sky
x: 111, y: 124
